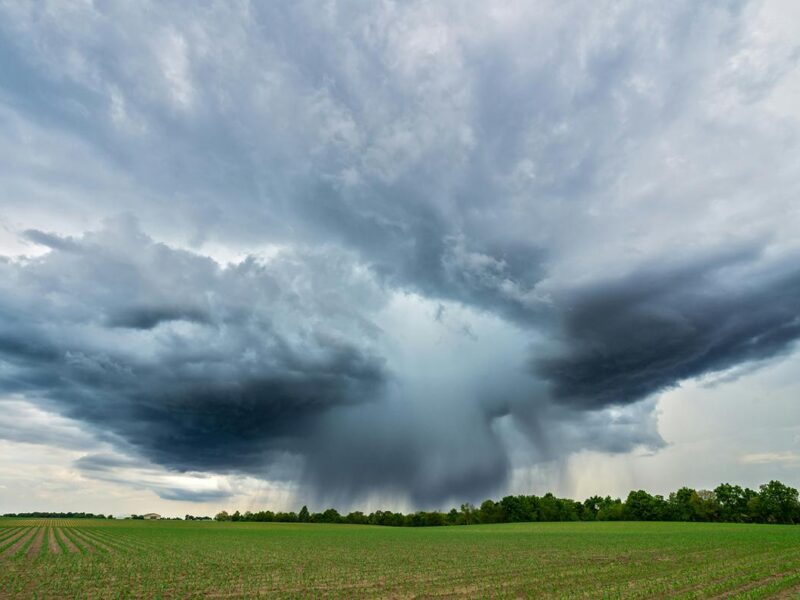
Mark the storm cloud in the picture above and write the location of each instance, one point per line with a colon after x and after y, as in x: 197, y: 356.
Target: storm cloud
x: 199, y: 366
x: 626, y: 339
x: 389, y: 249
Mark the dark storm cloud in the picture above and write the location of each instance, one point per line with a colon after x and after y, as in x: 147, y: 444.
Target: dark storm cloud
x: 223, y: 368
x: 625, y: 339
x: 145, y: 317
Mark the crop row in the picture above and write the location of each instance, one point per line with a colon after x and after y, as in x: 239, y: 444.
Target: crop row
x: 625, y: 560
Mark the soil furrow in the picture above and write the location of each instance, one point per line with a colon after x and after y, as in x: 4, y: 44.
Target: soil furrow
x: 52, y: 543
x: 128, y: 541
x: 89, y: 542
x: 18, y: 544
x: 78, y: 542
x: 71, y: 548
x: 7, y: 533
x: 10, y: 539
x: 114, y: 543
x: 36, y: 546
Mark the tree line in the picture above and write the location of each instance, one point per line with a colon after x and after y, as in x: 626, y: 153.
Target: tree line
x: 774, y: 502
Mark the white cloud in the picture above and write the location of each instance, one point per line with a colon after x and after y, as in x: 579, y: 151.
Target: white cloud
x: 766, y: 458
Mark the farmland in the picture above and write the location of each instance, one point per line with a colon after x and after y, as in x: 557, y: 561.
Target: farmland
x: 91, y: 558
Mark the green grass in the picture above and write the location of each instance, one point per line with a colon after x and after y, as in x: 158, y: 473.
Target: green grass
x: 162, y: 559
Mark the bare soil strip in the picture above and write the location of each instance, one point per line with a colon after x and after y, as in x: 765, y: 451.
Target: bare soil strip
x: 77, y: 541
x: 122, y: 539
x: 115, y: 543
x: 790, y: 592
x: 89, y: 542
x: 19, y: 543
x: 71, y: 548
x: 52, y: 543
x: 36, y: 546
x: 10, y: 539
x: 5, y: 535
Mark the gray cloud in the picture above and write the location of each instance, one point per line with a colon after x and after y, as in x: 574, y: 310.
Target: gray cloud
x: 626, y: 339
x: 115, y: 468
x: 608, y: 191
x: 219, y: 392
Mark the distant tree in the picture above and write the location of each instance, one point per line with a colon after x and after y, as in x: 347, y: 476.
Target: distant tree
x: 777, y: 503
x: 356, y: 518
x: 774, y: 503
x: 330, y: 515
x: 611, y: 510
x: 304, y: 516
x: 514, y: 509
x: 706, y: 507
x: 733, y: 502
x: 491, y: 512
x: 641, y: 506
x: 468, y: 514
x: 452, y: 517
x: 592, y: 506
x: 683, y: 504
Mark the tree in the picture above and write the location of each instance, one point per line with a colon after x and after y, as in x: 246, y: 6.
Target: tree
x: 733, y: 502
x: 611, y: 510
x: 592, y: 506
x: 707, y: 507
x: 490, y: 512
x: 513, y: 509
x: 452, y: 517
x: 777, y: 503
x: 331, y: 515
x: 468, y: 514
x: 641, y: 506
x: 304, y: 517
x: 690, y: 505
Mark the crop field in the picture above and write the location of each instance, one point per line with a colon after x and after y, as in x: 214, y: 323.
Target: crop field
x: 171, y: 559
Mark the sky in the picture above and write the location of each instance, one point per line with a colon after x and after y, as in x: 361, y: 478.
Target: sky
x: 395, y: 254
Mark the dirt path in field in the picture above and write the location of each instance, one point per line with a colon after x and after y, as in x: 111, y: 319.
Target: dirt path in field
x: 52, y: 543
x: 19, y: 544
x: 71, y: 548
x: 36, y: 546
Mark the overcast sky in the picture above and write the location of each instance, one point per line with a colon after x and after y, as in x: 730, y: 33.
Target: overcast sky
x: 400, y: 255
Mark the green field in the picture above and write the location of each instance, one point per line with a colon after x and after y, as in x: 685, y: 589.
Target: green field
x: 110, y: 559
